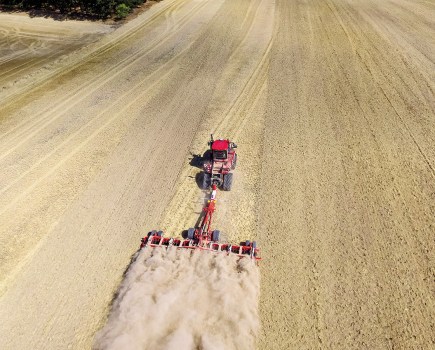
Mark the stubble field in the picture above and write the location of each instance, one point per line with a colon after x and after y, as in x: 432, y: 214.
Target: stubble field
x: 332, y: 106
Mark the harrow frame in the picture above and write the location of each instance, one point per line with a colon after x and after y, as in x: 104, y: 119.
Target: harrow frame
x: 203, y: 237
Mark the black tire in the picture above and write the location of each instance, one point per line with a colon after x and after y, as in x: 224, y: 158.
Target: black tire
x: 233, y: 166
x: 228, y: 182
x: 206, y: 181
x: 160, y: 233
x: 215, y: 236
x: 254, y: 246
x: 247, y: 243
x: 191, y: 233
x: 152, y: 233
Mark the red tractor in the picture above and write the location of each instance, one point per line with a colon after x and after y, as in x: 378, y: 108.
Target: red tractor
x: 219, y: 161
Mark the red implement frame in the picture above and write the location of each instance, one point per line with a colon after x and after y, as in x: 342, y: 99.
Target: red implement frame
x: 203, y: 237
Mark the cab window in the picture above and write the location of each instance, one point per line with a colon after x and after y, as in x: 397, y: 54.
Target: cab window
x: 220, y: 154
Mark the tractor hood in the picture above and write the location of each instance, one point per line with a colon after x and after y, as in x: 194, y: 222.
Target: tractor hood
x: 220, y: 145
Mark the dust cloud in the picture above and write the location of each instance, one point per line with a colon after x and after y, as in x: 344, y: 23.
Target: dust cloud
x: 179, y: 299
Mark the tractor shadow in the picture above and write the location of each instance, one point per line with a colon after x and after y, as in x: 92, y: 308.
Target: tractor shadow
x: 199, y: 178
x: 197, y: 161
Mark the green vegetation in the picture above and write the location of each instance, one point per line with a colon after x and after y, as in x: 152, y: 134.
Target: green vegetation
x: 122, y: 11
x: 89, y: 8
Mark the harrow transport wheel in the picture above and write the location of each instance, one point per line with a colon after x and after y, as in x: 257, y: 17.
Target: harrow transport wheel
x: 206, y: 180
x: 152, y: 233
x: 228, y: 182
x: 215, y: 236
x: 233, y: 166
x: 247, y: 243
x: 160, y: 233
x: 191, y: 233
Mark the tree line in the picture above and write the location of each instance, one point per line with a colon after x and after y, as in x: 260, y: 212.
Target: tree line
x: 92, y: 8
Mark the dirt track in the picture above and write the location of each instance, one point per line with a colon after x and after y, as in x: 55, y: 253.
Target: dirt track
x: 332, y: 104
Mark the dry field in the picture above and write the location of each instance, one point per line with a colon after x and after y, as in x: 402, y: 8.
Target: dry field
x: 332, y: 105
x: 35, y: 47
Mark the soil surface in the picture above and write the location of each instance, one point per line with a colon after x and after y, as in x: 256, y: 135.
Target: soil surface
x: 332, y: 105
x: 36, y: 46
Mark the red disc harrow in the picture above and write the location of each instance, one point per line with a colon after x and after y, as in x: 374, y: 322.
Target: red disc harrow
x: 203, y: 237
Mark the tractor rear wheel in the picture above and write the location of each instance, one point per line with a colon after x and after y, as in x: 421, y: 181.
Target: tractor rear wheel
x: 233, y: 166
x: 206, y: 181
x: 228, y: 182
x: 215, y: 236
x: 191, y: 233
x: 254, y: 246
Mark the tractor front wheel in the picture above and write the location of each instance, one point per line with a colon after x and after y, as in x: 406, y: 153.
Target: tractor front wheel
x: 228, y: 182
x: 233, y: 166
x: 254, y: 246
